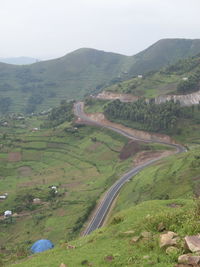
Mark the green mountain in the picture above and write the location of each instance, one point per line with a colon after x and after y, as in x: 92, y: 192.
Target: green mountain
x: 42, y: 85
x: 164, y: 52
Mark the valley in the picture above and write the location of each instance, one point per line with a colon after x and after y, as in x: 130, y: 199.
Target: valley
x: 152, y: 197
x: 105, y: 177
x: 82, y: 162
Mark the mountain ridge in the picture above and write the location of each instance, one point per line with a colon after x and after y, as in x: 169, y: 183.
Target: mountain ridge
x: 39, y: 86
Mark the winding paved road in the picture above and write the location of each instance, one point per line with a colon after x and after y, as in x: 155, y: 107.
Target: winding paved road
x: 110, y: 195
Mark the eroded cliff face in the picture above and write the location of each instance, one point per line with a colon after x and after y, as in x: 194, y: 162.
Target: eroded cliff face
x: 185, y: 100
x: 114, y: 96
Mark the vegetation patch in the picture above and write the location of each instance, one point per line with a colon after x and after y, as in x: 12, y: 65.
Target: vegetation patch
x: 150, y: 116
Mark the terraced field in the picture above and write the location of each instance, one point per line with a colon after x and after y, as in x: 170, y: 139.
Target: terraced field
x: 82, y: 165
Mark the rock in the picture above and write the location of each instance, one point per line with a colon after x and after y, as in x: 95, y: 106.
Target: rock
x: 146, y: 257
x: 189, y: 259
x: 161, y: 227
x: 171, y: 250
x: 134, y: 239
x: 193, y: 243
x: 63, y: 265
x: 168, y: 239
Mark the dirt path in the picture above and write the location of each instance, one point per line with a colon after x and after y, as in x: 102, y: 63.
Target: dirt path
x: 144, y: 156
x: 100, y: 118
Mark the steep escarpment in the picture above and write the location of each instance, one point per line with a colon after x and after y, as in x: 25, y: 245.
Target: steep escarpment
x: 185, y: 100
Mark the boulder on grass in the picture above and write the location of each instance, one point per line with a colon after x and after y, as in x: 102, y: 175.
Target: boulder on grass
x: 168, y: 239
x: 193, y: 243
x: 189, y: 259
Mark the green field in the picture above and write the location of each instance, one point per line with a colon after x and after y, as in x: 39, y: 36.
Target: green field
x: 80, y: 167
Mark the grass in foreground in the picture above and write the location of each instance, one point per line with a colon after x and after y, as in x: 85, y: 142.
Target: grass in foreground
x: 111, y: 247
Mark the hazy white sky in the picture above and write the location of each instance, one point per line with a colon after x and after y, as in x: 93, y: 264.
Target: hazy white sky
x: 52, y: 28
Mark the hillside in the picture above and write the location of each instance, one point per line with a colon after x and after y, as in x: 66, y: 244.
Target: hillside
x: 83, y: 162
x: 42, y: 85
x: 133, y: 233
x: 179, y: 78
x: 167, y: 51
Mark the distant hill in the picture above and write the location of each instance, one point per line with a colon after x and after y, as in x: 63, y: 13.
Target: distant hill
x: 19, y: 60
x: 42, y: 85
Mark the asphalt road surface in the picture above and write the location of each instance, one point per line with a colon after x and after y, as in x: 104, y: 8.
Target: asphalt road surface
x: 110, y: 195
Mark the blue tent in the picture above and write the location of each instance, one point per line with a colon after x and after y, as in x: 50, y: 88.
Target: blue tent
x: 41, y: 245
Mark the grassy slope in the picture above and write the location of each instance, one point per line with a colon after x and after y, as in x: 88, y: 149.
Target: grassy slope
x: 149, y: 86
x: 162, y: 82
x: 82, y: 164
x: 165, y: 50
x: 177, y: 179
x: 110, y: 241
x: 86, y: 70
x: 95, y: 105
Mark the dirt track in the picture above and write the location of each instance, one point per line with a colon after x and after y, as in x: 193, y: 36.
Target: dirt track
x: 100, y: 118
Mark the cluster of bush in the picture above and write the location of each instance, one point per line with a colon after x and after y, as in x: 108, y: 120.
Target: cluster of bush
x: 60, y: 114
x: 151, y: 116
x: 190, y: 85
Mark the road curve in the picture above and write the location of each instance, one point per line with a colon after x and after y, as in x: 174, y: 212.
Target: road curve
x: 110, y: 195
